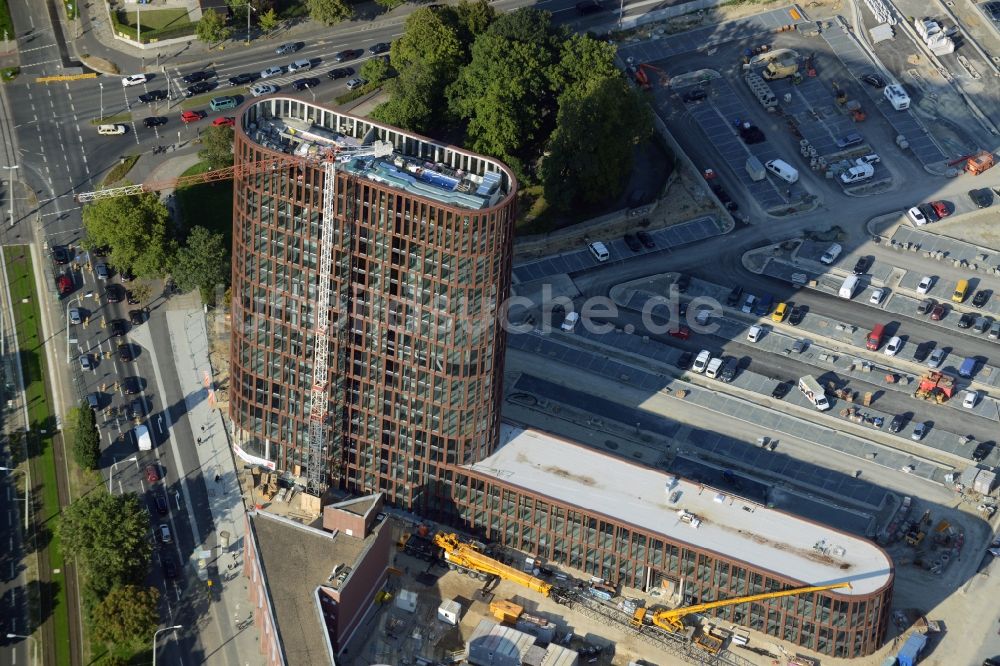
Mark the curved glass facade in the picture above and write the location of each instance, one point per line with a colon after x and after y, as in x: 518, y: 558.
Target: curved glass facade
x: 420, y: 268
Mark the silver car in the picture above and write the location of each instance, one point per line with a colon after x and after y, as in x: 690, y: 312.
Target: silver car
x: 74, y: 316
x: 355, y: 83
x: 935, y: 359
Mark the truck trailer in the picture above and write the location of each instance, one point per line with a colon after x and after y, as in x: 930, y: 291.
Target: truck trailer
x: 909, y: 655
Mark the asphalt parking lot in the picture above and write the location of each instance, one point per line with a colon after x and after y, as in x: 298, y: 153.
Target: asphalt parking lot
x: 666, y: 238
x: 954, y: 250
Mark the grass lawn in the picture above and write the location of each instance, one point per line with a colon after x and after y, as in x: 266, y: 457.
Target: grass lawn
x: 119, y: 170
x: 155, y: 19
x: 27, y: 315
x: 208, y: 205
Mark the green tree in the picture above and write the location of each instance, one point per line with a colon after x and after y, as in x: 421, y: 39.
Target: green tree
x: 217, y: 147
x: 431, y: 39
x: 202, y: 262
x: 135, y: 230
x: 212, y: 28
x: 141, y: 291
x: 268, y: 20
x: 501, y: 92
x: 582, y: 61
x: 472, y: 19
x: 114, y: 660
x: 86, y: 438
x: 389, y: 5
x: 329, y: 12
x: 412, y: 103
x: 375, y: 70
x: 591, y: 151
x: 127, y: 614
x: 109, y: 536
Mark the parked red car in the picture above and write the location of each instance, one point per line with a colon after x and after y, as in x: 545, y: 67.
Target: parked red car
x: 152, y: 474
x: 224, y: 122
x: 65, y: 285
x: 681, y: 332
x: 941, y: 208
x: 192, y: 116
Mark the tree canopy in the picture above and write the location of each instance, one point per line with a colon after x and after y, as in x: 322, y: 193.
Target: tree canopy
x: 413, y: 101
x: 127, y: 614
x: 109, y: 536
x: 592, y: 148
x: 268, y: 20
x: 375, y: 70
x: 212, y: 27
x: 201, y: 262
x: 134, y: 228
x: 329, y: 12
x: 86, y: 438
x: 217, y: 147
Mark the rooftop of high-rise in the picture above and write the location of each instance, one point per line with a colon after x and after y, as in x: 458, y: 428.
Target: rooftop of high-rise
x: 380, y: 153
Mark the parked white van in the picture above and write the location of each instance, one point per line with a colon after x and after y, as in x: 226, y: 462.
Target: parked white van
x: 599, y: 250
x: 782, y: 170
x: 849, y: 286
x: 714, y: 367
x: 831, y: 254
x: 857, y: 173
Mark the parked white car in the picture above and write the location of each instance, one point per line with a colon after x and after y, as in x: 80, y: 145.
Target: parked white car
x: 133, y: 79
x: 261, y: 89
x: 894, y: 345
x: 701, y: 361
x: 925, y: 284
x: 876, y: 296
x: 569, y: 323
x: 755, y: 333
x: 916, y: 216
x: 970, y: 399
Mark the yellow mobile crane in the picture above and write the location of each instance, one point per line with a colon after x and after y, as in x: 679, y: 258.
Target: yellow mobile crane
x: 671, y: 620
x: 468, y: 556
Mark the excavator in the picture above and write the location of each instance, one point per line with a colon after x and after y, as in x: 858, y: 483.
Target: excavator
x: 672, y: 620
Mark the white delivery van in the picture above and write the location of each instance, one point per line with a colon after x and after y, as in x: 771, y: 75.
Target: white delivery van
x: 111, y: 130
x: 848, y: 287
x: 814, y: 392
x: 599, y: 250
x: 858, y: 173
x: 782, y: 170
x: 897, y: 97
x: 714, y: 367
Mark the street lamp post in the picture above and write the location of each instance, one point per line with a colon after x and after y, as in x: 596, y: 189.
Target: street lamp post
x: 249, y: 9
x: 111, y: 476
x: 101, y: 86
x: 34, y: 645
x: 10, y: 195
x: 27, y: 491
x: 160, y: 631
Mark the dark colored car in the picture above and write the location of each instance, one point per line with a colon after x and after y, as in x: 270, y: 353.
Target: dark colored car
x: 874, y: 80
x: 981, y: 451
x: 729, y: 368
x: 929, y: 212
x: 781, y: 390
x: 198, y: 88
x: 115, y: 293
x: 381, y: 47
x: 983, y: 197
x: 153, y: 96
x: 131, y: 385
x: 290, y: 47
x: 966, y: 320
x: 303, y: 84
x: 131, y: 297
x: 154, y: 121
x: 683, y: 282
x: 60, y: 255
x: 939, y: 312
x: 169, y: 568
x: 64, y: 284
x: 125, y: 353
x: 126, y: 275
x: 983, y: 295
x: 138, y: 408
x: 162, y: 507
x: 633, y: 242
x: 340, y: 73
x: 896, y: 424
x: 588, y: 7
x: 646, y: 240
x: 922, y: 350
x: 136, y: 317
x: 695, y: 95
x: 798, y: 312
x: 861, y: 267
x: 195, y: 77
x: 734, y: 296
x: 242, y: 79
x: 684, y: 361
x: 348, y: 54
x: 118, y: 327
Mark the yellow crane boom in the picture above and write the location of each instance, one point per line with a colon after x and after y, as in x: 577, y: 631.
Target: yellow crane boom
x: 468, y: 556
x: 670, y: 620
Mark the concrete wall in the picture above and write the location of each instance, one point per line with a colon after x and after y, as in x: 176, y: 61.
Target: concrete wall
x: 356, y: 594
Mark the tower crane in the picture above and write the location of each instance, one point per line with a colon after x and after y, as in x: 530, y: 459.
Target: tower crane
x: 671, y: 620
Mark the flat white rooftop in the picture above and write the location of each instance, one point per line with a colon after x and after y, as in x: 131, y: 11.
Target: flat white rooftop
x: 764, y: 538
